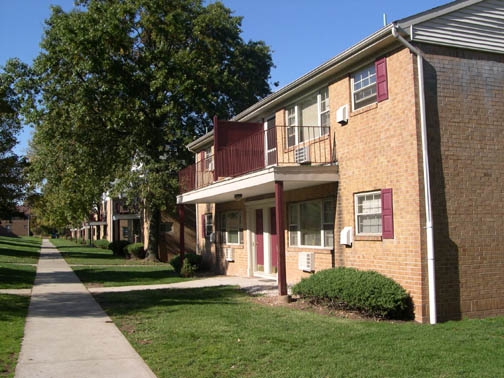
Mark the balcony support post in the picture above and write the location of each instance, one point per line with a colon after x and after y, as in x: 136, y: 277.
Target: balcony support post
x: 280, y: 226
x: 181, y: 232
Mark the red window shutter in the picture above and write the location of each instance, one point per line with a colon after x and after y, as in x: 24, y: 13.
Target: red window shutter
x: 203, y: 226
x: 387, y: 214
x: 381, y: 79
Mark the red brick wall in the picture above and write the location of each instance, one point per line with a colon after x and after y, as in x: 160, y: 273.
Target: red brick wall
x: 465, y: 113
x: 379, y: 148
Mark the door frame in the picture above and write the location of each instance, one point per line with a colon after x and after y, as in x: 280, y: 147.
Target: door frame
x: 251, y: 208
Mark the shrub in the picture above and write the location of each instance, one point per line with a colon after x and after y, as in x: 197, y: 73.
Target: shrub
x: 187, y: 269
x: 118, y: 247
x: 136, y: 250
x: 368, y: 292
x: 193, y: 259
x: 102, y: 244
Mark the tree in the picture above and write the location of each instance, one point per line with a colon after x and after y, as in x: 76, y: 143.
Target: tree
x: 122, y: 86
x: 12, y: 185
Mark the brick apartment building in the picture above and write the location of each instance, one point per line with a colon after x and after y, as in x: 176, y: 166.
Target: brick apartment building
x: 114, y: 220
x: 388, y: 157
x: 18, y: 225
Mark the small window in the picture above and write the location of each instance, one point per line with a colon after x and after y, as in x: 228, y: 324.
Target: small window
x: 364, y: 86
x: 125, y: 232
x: 369, y: 85
x: 368, y: 213
x: 231, y: 228
x: 209, y: 163
x: 208, y: 225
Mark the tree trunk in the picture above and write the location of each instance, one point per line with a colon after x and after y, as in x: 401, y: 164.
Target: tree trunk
x: 154, y: 216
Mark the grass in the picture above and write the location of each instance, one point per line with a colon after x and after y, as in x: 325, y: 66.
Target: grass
x: 12, y: 321
x: 220, y: 332
x: 18, y: 257
x: 23, y: 250
x: 17, y: 276
x: 99, y: 267
x: 80, y: 254
x: 127, y: 275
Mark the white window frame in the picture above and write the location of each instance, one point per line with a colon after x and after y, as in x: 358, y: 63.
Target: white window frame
x: 369, y: 99
x: 370, y: 211
x: 208, y: 224
x: 292, y: 116
x: 208, y: 159
x: 326, y: 225
x: 225, y: 232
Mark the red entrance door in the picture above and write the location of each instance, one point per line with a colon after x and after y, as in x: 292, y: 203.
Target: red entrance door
x: 259, y: 240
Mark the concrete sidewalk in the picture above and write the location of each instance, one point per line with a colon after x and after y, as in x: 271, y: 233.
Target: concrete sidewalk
x: 67, y: 334
x: 252, y: 285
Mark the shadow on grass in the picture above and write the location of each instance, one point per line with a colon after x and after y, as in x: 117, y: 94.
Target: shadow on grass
x: 167, y: 299
x: 17, y: 277
x: 91, y: 255
x: 14, y: 307
x: 5, y: 250
x: 126, y: 276
x: 17, y: 240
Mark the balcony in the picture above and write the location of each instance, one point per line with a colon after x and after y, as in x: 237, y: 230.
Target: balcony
x: 276, y: 147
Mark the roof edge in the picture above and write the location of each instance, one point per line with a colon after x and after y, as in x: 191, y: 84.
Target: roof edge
x: 382, y: 33
x: 195, y: 145
x: 435, y: 12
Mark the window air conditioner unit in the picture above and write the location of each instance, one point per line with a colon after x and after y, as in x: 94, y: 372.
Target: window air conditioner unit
x: 306, y: 261
x: 346, y: 236
x: 302, y: 155
x: 229, y: 254
x: 342, y: 115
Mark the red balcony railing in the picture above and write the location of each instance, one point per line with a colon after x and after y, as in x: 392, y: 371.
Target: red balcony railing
x: 281, y: 146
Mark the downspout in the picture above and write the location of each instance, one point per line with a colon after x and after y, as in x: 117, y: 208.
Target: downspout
x: 425, y: 157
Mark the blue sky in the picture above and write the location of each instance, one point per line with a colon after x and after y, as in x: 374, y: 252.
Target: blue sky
x: 302, y: 34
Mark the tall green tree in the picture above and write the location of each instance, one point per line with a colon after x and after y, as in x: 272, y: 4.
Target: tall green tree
x: 12, y: 183
x: 122, y: 86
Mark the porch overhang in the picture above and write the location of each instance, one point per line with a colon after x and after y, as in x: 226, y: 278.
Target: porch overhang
x: 125, y: 216
x: 260, y: 183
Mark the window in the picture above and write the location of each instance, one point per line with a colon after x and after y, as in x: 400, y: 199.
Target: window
x: 206, y: 225
x: 312, y: 112
x: 311, y: 223
x: 368, y: 213
x: 231, y: 228
x: 125, y: 232
x: 206, y: 157
x: 369, y: 85
x: 374, y: 214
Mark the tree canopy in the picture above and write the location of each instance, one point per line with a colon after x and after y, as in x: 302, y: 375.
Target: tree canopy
x: 121, y: 87
x: 12, y: 185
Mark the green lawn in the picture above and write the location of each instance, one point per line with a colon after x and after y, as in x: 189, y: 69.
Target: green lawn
x: 99, y: 267
x: 23, y: 250
x: 18, y: 259
x: 127, y: 275
x: 12, y: 320
x: 14, y: 276
x: 81, y: 254
x: 220, y: 332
